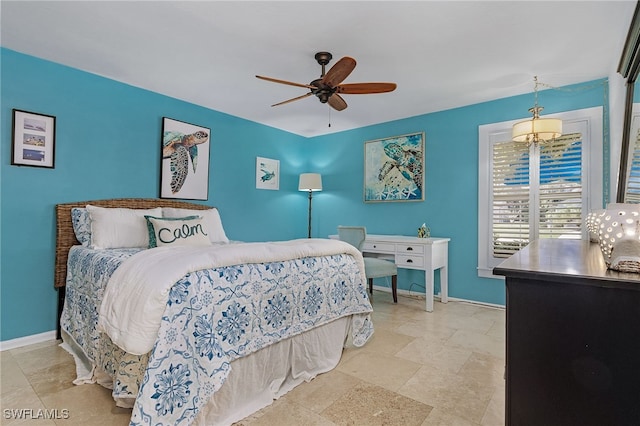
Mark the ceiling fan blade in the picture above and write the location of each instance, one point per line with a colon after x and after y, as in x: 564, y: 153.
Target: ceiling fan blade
x: 336, y: 102
x: 293, y: 99
x: 365, y: 88
x: 290, y: 83
x: 339, y: 71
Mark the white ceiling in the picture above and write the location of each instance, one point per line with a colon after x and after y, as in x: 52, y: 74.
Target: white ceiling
x: 442, y: 54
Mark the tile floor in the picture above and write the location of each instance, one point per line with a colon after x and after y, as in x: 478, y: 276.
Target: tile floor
x: 439, y: 368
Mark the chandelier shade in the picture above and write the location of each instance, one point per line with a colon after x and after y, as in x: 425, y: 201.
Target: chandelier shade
x: 536, y: 129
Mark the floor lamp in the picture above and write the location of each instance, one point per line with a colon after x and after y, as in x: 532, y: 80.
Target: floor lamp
x: 310, y: 182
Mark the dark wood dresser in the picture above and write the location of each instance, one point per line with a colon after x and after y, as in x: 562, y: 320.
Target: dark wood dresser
x: 572, y: 338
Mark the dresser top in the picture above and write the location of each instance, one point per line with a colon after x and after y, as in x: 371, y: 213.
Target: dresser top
x: 570, y: 259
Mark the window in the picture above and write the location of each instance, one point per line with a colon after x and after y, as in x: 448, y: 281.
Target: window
x: 536, y: 191
x: 632, y: 192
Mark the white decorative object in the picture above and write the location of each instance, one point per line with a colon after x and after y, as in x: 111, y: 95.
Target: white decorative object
x: 592, y: 223
x: 619, y: 235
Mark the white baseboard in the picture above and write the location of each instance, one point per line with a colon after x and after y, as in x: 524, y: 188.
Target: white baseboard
x: 436, y: 297
x: 5, y: 345
x: 475, y: 302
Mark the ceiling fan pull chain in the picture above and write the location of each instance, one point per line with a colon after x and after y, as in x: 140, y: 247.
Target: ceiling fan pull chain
x: 329, y: 116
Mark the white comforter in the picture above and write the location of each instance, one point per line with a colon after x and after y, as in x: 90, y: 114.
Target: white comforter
x: 137, y: 293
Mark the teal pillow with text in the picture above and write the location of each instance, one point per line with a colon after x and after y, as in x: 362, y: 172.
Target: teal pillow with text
x: 177, y: 231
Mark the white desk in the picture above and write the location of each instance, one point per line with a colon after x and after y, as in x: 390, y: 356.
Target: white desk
x: 424, y: 254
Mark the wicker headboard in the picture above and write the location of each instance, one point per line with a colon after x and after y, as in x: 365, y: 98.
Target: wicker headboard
x: 65, y: 238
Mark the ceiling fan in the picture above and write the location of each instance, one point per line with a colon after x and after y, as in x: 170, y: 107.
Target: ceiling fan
x: 328, y: 87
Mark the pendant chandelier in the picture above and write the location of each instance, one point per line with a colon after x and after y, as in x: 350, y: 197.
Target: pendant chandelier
x: 537, y: 129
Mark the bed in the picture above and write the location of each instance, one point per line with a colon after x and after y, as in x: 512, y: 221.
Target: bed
x: 199, y: 329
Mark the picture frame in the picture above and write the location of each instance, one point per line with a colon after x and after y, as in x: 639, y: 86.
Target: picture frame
x: 33, y: 139
x: 184, y: 168
x: 267, y: 173
x: 394, y: 168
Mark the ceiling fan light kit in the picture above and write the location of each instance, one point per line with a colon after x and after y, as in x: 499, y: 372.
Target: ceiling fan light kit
x: 327, y: 87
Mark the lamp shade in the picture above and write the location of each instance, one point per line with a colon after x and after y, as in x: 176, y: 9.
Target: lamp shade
x: 537, y: 129
x: 310, y: 182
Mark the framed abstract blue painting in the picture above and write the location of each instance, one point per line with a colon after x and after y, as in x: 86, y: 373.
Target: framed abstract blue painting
x: 394, y: 169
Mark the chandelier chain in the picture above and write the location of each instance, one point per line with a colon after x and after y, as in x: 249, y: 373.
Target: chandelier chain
x: 564, y: 89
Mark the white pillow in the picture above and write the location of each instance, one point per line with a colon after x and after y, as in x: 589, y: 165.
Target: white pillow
x: 210, y: 219
x: 119, y: 227
x: 171, y: 231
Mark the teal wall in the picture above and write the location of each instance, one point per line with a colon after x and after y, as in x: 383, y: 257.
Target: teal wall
x: 107, y: 145
x: 107, y: 141
x: 450, y: 208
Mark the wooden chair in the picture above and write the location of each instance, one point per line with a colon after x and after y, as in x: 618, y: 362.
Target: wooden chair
x: 373, y: 266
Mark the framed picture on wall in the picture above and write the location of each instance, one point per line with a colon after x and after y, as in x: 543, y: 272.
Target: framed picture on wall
x: 394, y: 169
x: 184, y: 170
x: 33, y: 139
x: 267, y: 173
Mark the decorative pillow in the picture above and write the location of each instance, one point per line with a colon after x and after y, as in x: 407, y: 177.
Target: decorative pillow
x: 210, y: 219
x: 119, y: 227
x: 177, y: 231
x: 81, y: 225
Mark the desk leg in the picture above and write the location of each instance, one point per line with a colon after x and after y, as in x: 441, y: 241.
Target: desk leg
x: 428, y: 280
x: 444, y: 285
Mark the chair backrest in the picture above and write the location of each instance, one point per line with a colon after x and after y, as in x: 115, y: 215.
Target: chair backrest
x: 354, y: 235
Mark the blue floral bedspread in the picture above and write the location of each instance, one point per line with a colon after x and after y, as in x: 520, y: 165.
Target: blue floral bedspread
x: 211, y: 318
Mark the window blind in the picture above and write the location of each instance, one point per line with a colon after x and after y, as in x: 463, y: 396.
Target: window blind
x: 560, y: 188
x: 537, y: 192
x: 510, y: 218
x: 633, y: 184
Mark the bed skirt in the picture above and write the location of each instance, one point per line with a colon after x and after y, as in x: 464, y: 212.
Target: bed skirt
x: 256, y: 380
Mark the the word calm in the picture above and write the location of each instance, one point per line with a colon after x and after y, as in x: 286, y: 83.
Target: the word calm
x: 168, y: 236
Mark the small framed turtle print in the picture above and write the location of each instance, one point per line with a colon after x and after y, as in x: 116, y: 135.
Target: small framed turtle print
x: 33, y: 139
x: 184, y: 170
x: 267, y: 173
x: 394, y: 169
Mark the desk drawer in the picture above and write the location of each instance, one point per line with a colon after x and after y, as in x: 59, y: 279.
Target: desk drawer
x: 374, y: 247
x: 407, y: 261
x: 409, y: 249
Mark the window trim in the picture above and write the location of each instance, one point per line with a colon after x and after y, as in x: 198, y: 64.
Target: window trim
x: 588, y: 121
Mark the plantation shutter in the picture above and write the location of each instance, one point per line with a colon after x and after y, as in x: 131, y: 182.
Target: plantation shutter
x: 560, y: 188
x: 510, y: 220
x: 540, y: 190
x: 633, y: 185
x: 537, y: 192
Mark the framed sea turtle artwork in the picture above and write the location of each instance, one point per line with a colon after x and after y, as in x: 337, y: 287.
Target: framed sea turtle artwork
x: 184, y: 170
x: 267, y: 173
x: 394, y: 168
